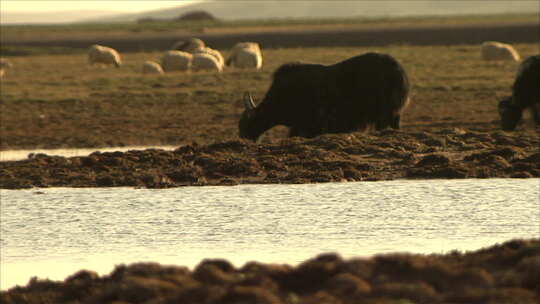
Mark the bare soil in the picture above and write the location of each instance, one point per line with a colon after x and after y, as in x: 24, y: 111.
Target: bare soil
x: 385, y: 155
x: 505, y: 273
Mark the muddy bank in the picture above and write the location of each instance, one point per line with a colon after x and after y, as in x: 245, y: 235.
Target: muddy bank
x: 503, y: 273
x: 385, y: 155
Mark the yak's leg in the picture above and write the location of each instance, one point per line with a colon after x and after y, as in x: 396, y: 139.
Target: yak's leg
x: 396, y: 122
x: 384, y: 122
x: 299, y: 131
x: 535, y: 109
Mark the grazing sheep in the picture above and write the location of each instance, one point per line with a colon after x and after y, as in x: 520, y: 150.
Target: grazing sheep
x: 150, y: 67
x: 176, y: 61
x: 245, y: 55
x: 5, y: 63
x: 212, y: 52
x: 246, y: 45
x: 188, y: 45
x: 525, y: 95
x: 4, y: 66
x: 203, y: 61
x: 99, y: 54
x: 313, y: 99
x: 492, y: 50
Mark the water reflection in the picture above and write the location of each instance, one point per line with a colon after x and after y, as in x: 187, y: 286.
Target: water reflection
x: 57, y: 231
x: 12, y: 155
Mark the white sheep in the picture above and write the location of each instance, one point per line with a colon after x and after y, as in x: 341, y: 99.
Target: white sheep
x: 245, y: 55
x: 151, y: 67
x: 492, y: 50
x: 204, y: 61
x: 5, y: 63
x: 246, y: 45
x: 4, y: 66
x: 176, y: 61
x: 212, y: 52
x: 99, y: 54
x: 189, y: 45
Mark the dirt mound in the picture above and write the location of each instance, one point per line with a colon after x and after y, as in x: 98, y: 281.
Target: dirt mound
x: 196, y: 15
x: 506, y: 273
x: 385, y: 155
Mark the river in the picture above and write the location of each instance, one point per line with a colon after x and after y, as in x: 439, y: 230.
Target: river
x: 55, y: 232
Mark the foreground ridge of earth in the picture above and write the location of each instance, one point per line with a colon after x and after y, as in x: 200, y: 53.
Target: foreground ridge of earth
x: 383, y: 155
x: 503, y: 273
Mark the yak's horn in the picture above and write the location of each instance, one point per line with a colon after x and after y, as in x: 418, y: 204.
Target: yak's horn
x: 248, y: 101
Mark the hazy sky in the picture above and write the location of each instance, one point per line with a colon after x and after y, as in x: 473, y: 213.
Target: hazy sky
x: 103, y: 5
x: 62, y: 11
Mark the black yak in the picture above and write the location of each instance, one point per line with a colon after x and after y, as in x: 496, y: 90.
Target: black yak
x: 312, y: 99
x: 525, y: 95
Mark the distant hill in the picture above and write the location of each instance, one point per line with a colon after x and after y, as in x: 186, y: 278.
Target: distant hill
x: 272, y: 9
x: 279, y: 9
x: 52, y: 17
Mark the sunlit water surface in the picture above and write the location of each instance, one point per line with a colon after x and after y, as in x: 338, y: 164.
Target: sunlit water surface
x: 55, y: 232
x: 13, y: 155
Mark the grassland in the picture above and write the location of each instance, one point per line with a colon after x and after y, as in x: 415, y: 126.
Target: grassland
x: 450, y: 129
x: 52, y: 101
x: 47, y: 32
x: 30, y: 40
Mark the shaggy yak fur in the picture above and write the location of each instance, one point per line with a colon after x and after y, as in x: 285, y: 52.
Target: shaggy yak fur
x: 525, y: 95
x: 312, y: 99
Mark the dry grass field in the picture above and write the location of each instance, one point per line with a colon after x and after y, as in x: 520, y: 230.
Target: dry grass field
x: 52, y: 101
x: 52, y: 98
x: 100, y: 30
x: 450, y: 130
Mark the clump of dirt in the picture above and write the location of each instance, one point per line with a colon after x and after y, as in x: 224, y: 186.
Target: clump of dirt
x: 385, y: 155
x: 505, y: 273
x: 437, y: 166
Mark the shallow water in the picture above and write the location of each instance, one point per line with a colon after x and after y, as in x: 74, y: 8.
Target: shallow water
x: 55, y: 232
x: 13, y: 155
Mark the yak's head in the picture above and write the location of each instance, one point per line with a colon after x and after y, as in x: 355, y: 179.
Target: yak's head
x: 510, y: 114
x: 247, y: 120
